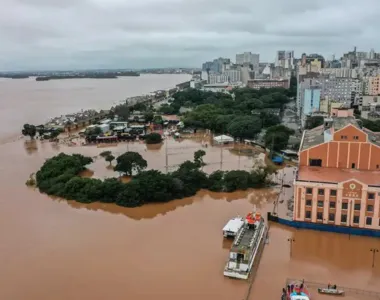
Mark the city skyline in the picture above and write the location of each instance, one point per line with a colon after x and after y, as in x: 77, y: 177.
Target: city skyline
x: 94, y: 34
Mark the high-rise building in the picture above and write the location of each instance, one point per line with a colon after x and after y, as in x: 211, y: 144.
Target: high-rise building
x: 215, y: 66
x: 312, y: 100
x: 285, y: 59
x: 374, y: 85
x: 248, y: 58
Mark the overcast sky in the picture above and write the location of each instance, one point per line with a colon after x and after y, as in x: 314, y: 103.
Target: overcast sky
x: 64, y: 34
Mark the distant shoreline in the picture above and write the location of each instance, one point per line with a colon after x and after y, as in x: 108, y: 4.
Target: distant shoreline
x: 89, y: 76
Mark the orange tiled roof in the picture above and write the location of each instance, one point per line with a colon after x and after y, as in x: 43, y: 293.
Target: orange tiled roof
x: 317, y: 174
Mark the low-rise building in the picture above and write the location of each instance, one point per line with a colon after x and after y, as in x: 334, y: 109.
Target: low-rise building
x: 267, y: 83
x: 338, y: 178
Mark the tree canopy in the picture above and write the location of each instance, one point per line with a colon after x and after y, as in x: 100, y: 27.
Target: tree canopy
x: 277, y: 137
x: 313, y: 121
x: 371, y: 125
x: 226, y: 112
x: 153, y: 138
x: 130, y: 162
x: 59, y: 176
x: 29, y: 130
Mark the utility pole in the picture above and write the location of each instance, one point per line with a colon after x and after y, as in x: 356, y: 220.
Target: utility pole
x: 271, y: 150
x: 291, y: 241
x: 221, y: 157
x: 374, y: 251
x: 166, y: 156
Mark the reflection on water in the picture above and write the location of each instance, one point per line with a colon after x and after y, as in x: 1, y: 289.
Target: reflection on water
x: 30, y: 146
x: 227, y: 243
x: 166, y: 251
x: 150, y: 211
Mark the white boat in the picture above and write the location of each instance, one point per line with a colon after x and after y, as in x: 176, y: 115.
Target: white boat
x: 331, y: 291
x: 245, y: 250
x: 232, y: 227
x: 295, y: 290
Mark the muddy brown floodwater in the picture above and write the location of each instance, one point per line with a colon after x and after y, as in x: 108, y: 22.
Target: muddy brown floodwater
x: 58, y: 249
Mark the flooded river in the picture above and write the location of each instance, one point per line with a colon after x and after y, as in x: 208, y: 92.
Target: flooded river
x: 28, y: 101
x: 57, y: 249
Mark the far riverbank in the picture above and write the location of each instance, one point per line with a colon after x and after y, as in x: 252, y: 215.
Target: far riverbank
x: 27, y: 101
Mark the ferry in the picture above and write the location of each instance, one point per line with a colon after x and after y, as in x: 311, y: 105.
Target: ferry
x: 295, y: 290
x: 246, y: 248
x: 232, y: 227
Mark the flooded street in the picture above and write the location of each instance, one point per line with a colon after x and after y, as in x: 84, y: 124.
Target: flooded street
x: 58, y: 249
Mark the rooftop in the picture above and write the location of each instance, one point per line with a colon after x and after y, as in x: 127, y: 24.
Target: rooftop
x: 316, y: 136
x: 333, y: 175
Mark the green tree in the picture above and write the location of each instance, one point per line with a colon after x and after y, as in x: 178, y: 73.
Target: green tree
x: 149, y: 115
x: 247, y: 127
x: 236, y: 180
x: 105, y: 153
x: 29, y: 130
x: 122, y: 111
x: 130, y: 196
x: 167, y: 109
x: 371, y: 125
x: 130, y: 162
x: 277, y: 137
x: 216, y: 181
x: 313, y: 121
x: 198, y: 158
x: 269, y: 119
x: 110, y: 158
x: 153, y: 138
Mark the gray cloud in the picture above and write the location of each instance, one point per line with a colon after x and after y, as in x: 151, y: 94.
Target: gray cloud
x: 39, y: 34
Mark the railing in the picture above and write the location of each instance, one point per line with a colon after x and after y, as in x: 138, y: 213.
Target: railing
x: 347, y: 290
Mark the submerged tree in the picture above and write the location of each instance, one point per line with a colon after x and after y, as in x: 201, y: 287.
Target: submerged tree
x: 110, y: 158
x: 29, y: 130
x: 198, y: 157
x: 105, y: 153
x: 130, y: 162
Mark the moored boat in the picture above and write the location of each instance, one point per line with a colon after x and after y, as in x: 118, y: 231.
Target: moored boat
x: 246, y: 248
x: 295, y: 290
x: 232, y: 227
x: 331, y: 291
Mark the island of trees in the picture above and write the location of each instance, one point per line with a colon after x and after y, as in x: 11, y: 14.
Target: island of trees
x: 60, y: 176
x: 88, y: 75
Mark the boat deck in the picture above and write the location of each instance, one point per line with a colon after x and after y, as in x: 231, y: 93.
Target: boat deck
x: 244, y: 239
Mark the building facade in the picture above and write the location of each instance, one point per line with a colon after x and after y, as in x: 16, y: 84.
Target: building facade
x: 248, y: 58
x: 215, y: 66
x: 285, y: 59
x: 340, y: 72
x: 374, y: 85
x: 338, y: 179
x: 312, y: 100
x: 267, y: 83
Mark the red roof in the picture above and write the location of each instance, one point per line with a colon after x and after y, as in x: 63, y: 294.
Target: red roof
x: 317, y: 174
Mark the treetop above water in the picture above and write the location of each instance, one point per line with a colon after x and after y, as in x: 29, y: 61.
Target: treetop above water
x: 59, y: 176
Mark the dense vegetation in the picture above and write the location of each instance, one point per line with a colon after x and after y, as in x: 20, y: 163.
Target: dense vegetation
x: 32, y: 130
x: 313, y: 121
x: 59, y: 176
x: 241, y: 113
x: 371, y: 125
x: 277, y: 137
x: 153, y: 138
